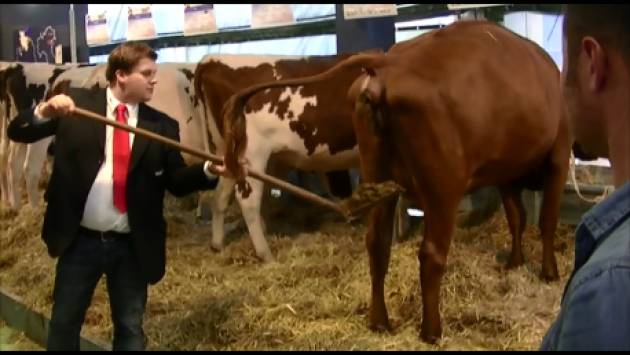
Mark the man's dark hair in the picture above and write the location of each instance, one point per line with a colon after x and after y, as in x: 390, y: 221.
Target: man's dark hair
x: 608, y: 24
x: 126, y: 56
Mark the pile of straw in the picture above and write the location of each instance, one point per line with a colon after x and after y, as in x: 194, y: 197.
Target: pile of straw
x: 316, y: 294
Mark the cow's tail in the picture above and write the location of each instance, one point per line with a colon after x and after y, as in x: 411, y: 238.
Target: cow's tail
x: 234, y: 117
x: 201, y: 96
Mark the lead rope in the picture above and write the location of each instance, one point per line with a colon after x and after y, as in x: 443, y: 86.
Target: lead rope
x: 608, y: 189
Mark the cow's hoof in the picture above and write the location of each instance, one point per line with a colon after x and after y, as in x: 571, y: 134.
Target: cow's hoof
x: 550, y: 275
x: 515, y: 261
x: 430, y: 337
x: 216, y: 247
x: 265, y: 257
x: 380, y: 327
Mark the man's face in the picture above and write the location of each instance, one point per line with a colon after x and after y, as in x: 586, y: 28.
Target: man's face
x: 584, y: 103
x: 138, y: 85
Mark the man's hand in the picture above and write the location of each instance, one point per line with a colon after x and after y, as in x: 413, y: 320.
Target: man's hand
x: 58, y: 105
x: 219, y: 169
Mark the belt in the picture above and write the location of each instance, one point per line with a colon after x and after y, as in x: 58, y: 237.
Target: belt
x: 104, y: 236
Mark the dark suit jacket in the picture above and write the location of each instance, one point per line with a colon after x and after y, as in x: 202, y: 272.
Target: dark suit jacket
x: 79, y: 153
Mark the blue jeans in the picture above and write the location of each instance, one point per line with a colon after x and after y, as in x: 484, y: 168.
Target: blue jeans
x: 78, y: 271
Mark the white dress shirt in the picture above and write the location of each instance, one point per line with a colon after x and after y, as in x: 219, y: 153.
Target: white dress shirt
x: 99, y: 212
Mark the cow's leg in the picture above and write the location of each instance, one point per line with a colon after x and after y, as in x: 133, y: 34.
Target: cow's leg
x: 17, y: 154
x: 4, y: 158
x: 439, y: 225
x: 401, y: 219
x: 550, y: 211
x: 515, y: 214
x: 250, y: 206
x: 378, y: 242
x: 220, y: 202
x: 203, y: 206
x: 33, y: 166
x: 4, y: 177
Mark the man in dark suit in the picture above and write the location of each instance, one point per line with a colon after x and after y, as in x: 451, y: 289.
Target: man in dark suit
x: 105, y: 196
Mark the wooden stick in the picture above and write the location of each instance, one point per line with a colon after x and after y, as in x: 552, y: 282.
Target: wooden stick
x: 305, y: 194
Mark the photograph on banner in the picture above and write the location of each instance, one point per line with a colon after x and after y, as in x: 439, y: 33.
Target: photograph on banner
x: 35, y: 44
x: 267, y: 15
x: 356, y: 11
x: 24, y: 45
x: 469, y: 6
x: 45, y: 45
x: 96, y: 31
x: 140, y: 22
x: 199, y: 18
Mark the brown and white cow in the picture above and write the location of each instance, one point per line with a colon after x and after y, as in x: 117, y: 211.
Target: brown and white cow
x: 466, y: 106
x: 308, y: 129
x: 23, y: 86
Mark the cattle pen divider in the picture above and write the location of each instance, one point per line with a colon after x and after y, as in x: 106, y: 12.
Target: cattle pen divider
x: 34, y: 324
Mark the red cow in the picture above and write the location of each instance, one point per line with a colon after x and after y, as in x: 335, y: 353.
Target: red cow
x: 453, y: 110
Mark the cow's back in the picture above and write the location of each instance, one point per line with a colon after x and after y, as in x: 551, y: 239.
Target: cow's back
x: 480, y: 90
x: 310, y: 123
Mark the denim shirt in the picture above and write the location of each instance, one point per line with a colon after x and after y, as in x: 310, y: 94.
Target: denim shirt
x: 595, y: 308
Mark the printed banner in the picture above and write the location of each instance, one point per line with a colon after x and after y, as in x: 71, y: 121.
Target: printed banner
x: 96, y: 31
x: 35, y: 44
x: 199, y: 18
x: 355, y: 11
x: 267, y: 15
x: 140, y: 23
x: 469, y: 6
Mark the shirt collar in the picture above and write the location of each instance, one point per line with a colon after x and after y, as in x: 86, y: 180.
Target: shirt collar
x: 602, y: 218
x: 112, y: 103
x: 598, y: 223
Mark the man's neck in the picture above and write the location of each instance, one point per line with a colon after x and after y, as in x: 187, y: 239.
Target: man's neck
x: 618, y: 122
x: 120, y: 95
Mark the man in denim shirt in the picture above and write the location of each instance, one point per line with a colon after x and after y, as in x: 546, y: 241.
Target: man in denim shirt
x: 595, y: 310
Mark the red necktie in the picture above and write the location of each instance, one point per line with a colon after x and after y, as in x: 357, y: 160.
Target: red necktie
x: 121, y: 160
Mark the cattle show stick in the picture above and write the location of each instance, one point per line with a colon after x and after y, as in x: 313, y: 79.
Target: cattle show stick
x: 214, y: 158
x: 351, y: 209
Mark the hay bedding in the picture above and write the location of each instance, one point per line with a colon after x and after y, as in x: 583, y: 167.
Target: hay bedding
x: 315, y: 295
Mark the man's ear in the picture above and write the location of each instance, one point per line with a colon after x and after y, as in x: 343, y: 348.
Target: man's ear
x: 597, y: 61
x: 120, y: 76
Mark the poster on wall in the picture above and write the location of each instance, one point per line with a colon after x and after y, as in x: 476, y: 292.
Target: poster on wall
x: 140, y: 22
x: 356, y: 11
x: 36, y: 44
x: 469, y: 6
x: 199, y: 18
x: 267, y: 15
x: 96, y: 31
x: 24, y: 45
